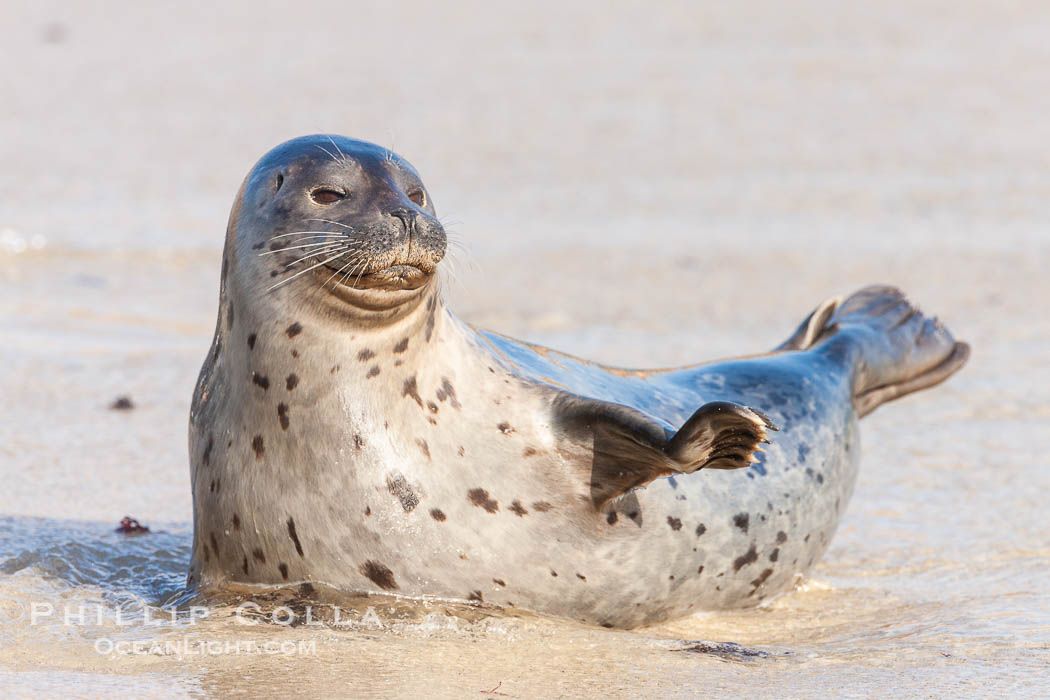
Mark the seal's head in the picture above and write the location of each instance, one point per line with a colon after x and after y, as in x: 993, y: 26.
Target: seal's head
x: 346, y: 222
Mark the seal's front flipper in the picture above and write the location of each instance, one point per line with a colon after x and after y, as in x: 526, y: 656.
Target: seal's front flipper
x: 630, y: 449
x: 720, y: 435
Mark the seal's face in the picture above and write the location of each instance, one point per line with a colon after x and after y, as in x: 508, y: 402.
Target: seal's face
x: 339, y: 215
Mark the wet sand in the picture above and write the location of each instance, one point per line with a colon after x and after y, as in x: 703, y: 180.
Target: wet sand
x: 641, y: 188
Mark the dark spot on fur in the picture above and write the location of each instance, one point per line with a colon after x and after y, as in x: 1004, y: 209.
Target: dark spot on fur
x: 672, y: 482
x: 359, y: 442
x: 282, y: 416
x: 398, y: 485
x: 206, y: 457
x: 423, y: 447
x: 700, y: 570
x: 373, y: 372
x: 750, y: 558
x: 581, y: 577
x: 505, y: 428
x: 294, y: 329
x: 229, y: 315
x: 261, y: 380
x: 274, y: 273
x: 430, y: 419
x: 820, y: 478
x: 611, y: 518
x: 257, y: 445
x: 775, y: 554
x: 742, y: 520
x: 675, y: 523
x: 541, y: 506
x: 284, y: 570
x: 499, y: 582
x: 518, y: 509
x: 379, y: 574
x: 475, y: 597
x: 806, y: 538
x: 368, y: 510
x: 460, y: 451
x: 529, y: 452
x: 251, y: 341
x: 701, y: 529
x: 554, y: 573
x: 760, y: 580
x: 432, y: 305
x: 480, y: 498
x: 401, y: 346
x: 447, y: 392
x: 365, y: 355
x: 295, y: 537
x: 295, y: 354
x: 257, y: 555
x: 214, y: 544
x: 782, y: 537
x: 244, y: 565
x: 236, y: 522
x: 803, y: 450
x: 437, y: 514
x: 633, y: 515
x: 291, y: 382
x: 411, y: 388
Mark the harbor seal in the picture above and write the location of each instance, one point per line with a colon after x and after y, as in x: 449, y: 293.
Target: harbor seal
x: 347, y: 430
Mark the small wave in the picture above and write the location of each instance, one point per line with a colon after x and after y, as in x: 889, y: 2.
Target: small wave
x: 81, y: 553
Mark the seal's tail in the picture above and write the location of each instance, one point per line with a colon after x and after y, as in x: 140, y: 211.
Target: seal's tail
x: 891, y: 346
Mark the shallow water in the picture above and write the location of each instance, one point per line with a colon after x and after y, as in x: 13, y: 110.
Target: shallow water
x: 640, y: 190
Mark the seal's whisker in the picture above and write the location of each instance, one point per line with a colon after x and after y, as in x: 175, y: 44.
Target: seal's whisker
x: 329, y: 221
x: 305, y: 271
x: 353, y: 259
x: 293, y: 247
x: 313, y: 253
x: 351, y: 272
x: 330, y: 154
x: 342, y: 156
x: 319, y: 233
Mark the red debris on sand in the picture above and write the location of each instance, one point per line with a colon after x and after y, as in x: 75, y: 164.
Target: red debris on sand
x: 130, y: 526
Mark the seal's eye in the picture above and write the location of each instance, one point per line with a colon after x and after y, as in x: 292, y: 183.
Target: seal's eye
x: 418, y: 198
x: 326, y: 195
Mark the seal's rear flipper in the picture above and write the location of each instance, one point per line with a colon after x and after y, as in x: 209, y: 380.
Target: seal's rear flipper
x: 630, y: 449
x: 886, y: 343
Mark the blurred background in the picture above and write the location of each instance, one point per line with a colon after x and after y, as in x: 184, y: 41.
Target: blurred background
x: 644, y: 185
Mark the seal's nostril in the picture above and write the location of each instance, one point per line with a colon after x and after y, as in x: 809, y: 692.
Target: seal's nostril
x: 407, y: 219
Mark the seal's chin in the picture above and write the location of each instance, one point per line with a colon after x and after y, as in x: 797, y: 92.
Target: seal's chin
x: 392, y: 282
x: 395, y: 277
